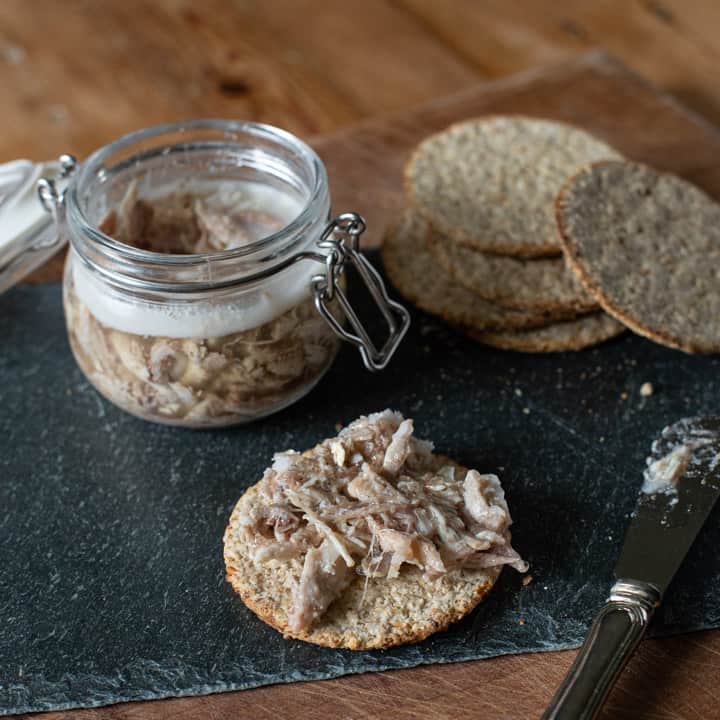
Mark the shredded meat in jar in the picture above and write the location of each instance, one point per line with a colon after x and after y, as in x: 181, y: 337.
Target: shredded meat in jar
x: 369, y: 502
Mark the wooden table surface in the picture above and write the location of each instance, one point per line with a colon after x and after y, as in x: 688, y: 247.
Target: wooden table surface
x: 74, y: 75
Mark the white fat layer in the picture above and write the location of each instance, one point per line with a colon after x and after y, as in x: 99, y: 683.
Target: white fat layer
x: 206, y: 318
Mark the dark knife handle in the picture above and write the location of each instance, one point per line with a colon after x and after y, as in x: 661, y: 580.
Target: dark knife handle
x: 614, y: 634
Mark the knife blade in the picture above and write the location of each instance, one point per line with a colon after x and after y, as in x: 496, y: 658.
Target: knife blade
x: 674, y: 503
x: 681, y: 486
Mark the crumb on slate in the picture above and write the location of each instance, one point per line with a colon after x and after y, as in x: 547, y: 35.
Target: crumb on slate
x: 527, y: 580
x: 646, y: 389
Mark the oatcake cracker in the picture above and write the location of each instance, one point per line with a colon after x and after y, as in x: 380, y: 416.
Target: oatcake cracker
x: 410, y: 541
x: 406, y: 612
x: 537, y: 284
x: 490, y: 183
x: 647, y: 246
x: 415, y: 273
x: 565, y: 336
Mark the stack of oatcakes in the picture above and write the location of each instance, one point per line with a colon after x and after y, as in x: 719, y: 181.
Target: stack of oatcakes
x: 479, y: 243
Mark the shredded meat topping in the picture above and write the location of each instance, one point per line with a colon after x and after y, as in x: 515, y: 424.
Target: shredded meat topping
x: 198, y: 381
x: 186, y: 223
x: 369, y: 502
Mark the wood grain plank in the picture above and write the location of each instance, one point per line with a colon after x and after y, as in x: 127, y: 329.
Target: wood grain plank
x: 651, y: 36
x: 698, y: 20
x: 76, y: 75
x: 668, y: 679
x: 375, y: 55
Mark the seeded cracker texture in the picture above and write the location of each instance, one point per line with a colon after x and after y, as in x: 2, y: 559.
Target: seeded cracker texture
x: 403, y: 584
x: 538, y: 284
x: 565, y: 336
x: 415, y: 273
x: 490, y: 183
x: 646, y: 245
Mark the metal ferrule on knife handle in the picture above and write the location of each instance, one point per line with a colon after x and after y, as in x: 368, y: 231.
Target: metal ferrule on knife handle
x: 614, y: 635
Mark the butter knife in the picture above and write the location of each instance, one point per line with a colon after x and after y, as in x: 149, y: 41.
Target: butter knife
x: 682, y: 483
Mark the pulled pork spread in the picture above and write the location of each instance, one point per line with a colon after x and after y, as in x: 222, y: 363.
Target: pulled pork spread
x: 202, y: 381
x: 369, y: 502
x: 185, y: 223
x: 186, y: 378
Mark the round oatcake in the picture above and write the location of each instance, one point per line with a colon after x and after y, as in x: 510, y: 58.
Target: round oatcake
x: 564, y: 336
x: 369, y: 539
x: 417, y: 275
x: 646, y: 245
x: 536, y: 284
x: 490, y: 183
x: 383, y: 614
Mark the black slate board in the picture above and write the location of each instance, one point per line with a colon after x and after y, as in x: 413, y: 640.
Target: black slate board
x: 111, y: 573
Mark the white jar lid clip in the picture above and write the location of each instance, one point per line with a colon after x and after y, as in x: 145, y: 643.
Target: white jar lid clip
x: 29, y: 196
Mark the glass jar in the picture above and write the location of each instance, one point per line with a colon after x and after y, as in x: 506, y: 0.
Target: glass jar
x: 204, y: 282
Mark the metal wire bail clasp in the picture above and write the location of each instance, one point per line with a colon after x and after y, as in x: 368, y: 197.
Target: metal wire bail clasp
x: 51, y: 191
x: 342, y: 240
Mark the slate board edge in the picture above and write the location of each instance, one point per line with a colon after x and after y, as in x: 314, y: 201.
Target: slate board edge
x: 107, y: 684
